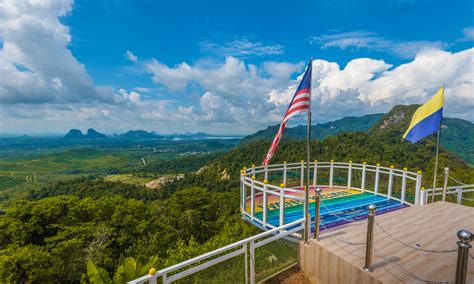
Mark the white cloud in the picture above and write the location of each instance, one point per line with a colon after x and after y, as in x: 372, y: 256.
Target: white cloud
x: 241, y: 48
x: 34, y: 39
x: 468, y: 34
x: 357, y: 40
x: 130, y: 56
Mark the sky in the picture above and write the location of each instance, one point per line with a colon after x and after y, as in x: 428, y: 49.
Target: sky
x: 225, y: 67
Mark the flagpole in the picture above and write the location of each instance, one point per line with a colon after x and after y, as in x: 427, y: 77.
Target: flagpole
x: 308, y: 159
x: 436, y: 165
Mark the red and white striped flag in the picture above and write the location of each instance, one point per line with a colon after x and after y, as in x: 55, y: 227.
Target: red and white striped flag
x: 301, y: 103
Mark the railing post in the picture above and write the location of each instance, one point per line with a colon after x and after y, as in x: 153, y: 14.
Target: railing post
x: 252, y: 198
x: 362, y: 182
x: 459, y: 195
x: 349, y: 176
x: 164, y: 278
x: 252, y: 263
x: 242, y: 192
x: 302, y: 173
x: 153, y: 280
x: 370, y: 238
x: 317, y: 213
x: 445, y: 185
x: 424, y: 196
x: 284, y: 171
x: 418, y: 187
x: 282, y: 204
x: 246, y: 259
x: 465, y: 237
x: 404, y: 185
x: 265, y: 188
x: 377, y: 179
x: 266, y: 172
x: 331, y: 174
x: 315, y: 173
x: 390, y: 182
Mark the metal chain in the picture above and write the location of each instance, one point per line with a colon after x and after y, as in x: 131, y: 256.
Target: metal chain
x: 455, y: 180
x: 404, y: 271
x: 414, y: 247
x: 344, y: 240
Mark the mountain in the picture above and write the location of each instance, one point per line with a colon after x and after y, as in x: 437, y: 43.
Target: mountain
x: 74, y: 134
x: 320, y: 131
x: 91, y: 134
x: 457, y: 135
x: 139, y: 134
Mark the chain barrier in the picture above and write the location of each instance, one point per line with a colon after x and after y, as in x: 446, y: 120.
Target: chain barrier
x: 414, y: 247
x: 404, y: 271
x: 455, y: 180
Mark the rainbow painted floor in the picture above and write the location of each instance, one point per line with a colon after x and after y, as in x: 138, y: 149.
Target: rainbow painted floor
x: 339, y: 207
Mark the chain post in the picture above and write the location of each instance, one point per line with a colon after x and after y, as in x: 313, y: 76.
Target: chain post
x: 445, y: 185
x: 370, y: 238
x: 317, y: 213
x: 465, y: 237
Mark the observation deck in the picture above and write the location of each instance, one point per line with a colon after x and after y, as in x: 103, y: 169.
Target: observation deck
x: 347, y: 190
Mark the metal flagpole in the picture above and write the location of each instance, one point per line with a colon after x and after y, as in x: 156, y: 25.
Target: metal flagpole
x: 308, y: 158
x: 436, y: 165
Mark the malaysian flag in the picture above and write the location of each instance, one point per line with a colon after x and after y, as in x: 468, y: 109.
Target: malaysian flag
x: 300, y: 103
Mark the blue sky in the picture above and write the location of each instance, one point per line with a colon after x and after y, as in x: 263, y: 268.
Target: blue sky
x: 225, y: 66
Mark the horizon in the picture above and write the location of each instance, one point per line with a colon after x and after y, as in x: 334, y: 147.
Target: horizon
x: 120, y: 65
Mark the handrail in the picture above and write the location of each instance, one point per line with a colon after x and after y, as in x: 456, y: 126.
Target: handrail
x: 278, y: 232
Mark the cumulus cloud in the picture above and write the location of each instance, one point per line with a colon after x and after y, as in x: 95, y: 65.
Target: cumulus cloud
x: 35, y: 62
x: 357, y: 40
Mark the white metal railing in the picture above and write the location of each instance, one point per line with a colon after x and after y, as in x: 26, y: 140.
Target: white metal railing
x: 253, y: 186
x: 244, y: 247
x: 458, y: 191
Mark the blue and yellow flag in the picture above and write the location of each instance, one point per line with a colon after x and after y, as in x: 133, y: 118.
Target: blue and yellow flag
x: 427, y: 118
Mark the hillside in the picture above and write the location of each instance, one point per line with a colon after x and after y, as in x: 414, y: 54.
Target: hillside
x: 457, y: 135
x: 320, y: 131
x: 91, y: 134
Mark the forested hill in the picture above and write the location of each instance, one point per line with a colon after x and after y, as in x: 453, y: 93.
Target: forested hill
x: 320, y: 131
x: 457, y: 135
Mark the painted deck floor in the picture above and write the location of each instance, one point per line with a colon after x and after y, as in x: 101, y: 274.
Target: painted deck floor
x: 338, y: 207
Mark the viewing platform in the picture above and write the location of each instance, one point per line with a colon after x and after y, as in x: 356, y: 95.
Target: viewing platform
x: 375, y: 226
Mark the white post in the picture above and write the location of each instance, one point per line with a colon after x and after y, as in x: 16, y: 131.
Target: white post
x: 266, y: 172
x: 265, y: 188
x: 377, y: 179
x: 445, y: 185
x: 246, y: 263
x: 349, y: 176
x: 404, y: 185
x: 424, y: 196
x: 164, y: 278
x: 153, y: 280
x: 242, y: 187
x: 390, y: 183
x: 284, y: 172
x: 253, y: 169
x: 302, y: 173
x: 282, y: 204
x: 331, y: 174
x: 362, y: 185
x: 315, y: 173
x: 459, y: 195
x: 418, y: 188
x: 252, y: 263
x: 252, y: 198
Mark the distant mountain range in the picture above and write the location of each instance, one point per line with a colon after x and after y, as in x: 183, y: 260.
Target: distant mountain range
x: 91, y: 134
x: 141, y: 135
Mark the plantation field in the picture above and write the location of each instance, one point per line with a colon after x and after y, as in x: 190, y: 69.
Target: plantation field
x: 28, y: 166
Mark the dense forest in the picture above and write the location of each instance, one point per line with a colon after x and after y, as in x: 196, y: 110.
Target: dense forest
x: 56, y: 231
